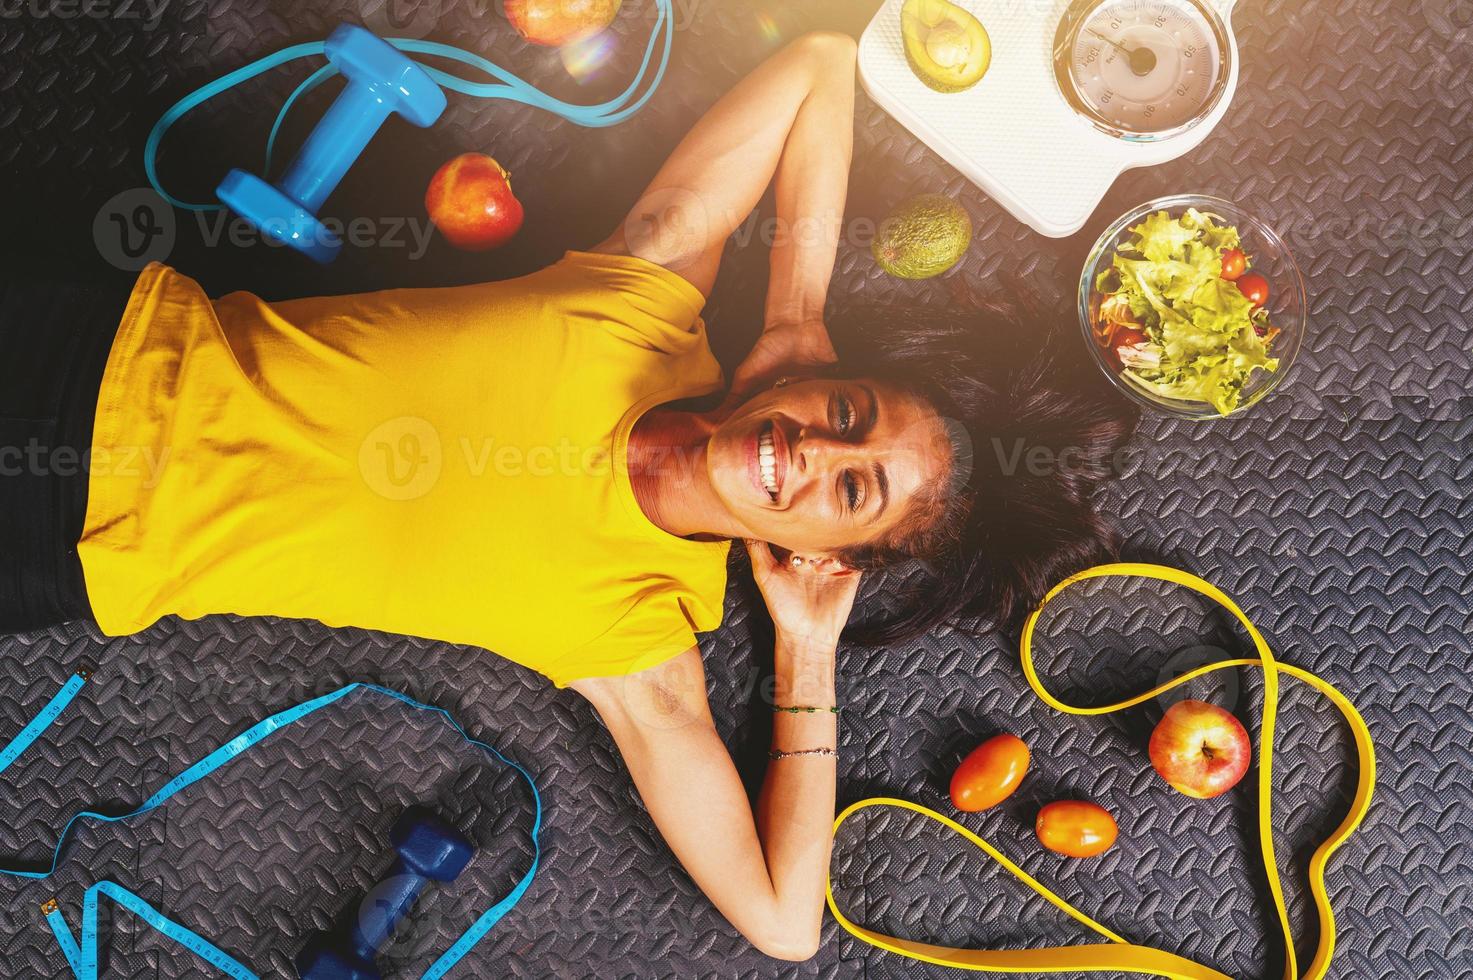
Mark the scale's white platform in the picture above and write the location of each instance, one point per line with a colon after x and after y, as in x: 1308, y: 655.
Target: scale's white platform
x: 1013, y: 134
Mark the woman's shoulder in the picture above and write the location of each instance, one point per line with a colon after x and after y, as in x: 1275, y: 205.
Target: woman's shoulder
x: 664, y: 307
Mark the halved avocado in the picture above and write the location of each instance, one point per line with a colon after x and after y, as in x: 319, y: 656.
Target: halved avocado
x: 946, y: 46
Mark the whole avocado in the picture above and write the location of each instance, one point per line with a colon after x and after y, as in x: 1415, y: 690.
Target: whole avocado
x: 925, y: 237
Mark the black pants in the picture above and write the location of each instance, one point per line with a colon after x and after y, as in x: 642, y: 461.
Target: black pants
x: 54, y: 343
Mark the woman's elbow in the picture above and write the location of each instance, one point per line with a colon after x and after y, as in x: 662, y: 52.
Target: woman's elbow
x: 794, y: 944
x: 829, y: 49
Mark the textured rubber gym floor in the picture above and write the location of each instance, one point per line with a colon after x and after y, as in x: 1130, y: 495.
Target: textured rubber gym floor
x: 1337, y: 513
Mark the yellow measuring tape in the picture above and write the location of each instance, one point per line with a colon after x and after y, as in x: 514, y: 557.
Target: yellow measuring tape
x: 1118, y: 955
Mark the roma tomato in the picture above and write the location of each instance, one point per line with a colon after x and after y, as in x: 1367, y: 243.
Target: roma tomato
x: 990, y: 774
x: 1234, y: 264
x: 1255, y: 287
x: 1074, y: 828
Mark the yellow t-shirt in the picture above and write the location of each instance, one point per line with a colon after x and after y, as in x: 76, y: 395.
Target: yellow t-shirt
x: 446, y: 463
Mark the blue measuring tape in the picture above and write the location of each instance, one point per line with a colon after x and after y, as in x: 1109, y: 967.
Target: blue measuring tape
x: 507, y: 86
x: 81, y: 953
x: 43, y: 719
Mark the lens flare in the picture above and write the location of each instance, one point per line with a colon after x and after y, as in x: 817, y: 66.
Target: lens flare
x: 584, y: 58
x: 768, y: 26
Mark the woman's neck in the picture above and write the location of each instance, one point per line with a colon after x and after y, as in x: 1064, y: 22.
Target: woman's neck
x: 667, y: 468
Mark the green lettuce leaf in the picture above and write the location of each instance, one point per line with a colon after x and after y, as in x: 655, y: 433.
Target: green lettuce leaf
x: 1170, y: 271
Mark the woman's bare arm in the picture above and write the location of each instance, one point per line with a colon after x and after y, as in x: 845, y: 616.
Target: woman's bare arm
x: 764, y: 871
x: 792, y: 119
x: 765, y: 875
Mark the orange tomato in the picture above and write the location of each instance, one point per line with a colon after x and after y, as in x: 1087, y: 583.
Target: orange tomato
x: 1074, y: 828
x: 990, y: 774
x: 1234, y: 264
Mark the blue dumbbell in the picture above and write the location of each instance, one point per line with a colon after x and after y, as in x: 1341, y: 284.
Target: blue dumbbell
x: 428, y: 850
x: 381, y: 81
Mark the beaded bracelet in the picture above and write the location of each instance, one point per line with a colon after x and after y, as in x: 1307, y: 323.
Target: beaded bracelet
x: 799, y: 709
x: 775, y: 755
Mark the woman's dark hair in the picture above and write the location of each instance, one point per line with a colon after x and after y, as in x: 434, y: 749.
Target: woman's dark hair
x: 1035, y: 433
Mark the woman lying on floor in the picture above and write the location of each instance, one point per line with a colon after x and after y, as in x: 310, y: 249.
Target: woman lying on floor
x: 510, y: 466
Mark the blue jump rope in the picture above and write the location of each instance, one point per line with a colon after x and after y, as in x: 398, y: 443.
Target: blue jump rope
x: 381, y: 82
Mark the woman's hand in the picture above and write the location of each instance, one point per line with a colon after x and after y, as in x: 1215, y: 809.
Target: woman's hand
x: 783, y: 347
x: 809, y: 603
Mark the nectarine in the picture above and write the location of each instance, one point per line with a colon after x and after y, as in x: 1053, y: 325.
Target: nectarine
x: 558, y: 22
x: 470, y: 200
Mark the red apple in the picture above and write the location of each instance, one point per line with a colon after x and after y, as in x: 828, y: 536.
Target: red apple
x: 557, y: 22
x: 1200, y: 749
x: 470, y: 200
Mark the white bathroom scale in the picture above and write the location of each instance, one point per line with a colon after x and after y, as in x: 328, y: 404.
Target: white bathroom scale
x: 1078, y: 92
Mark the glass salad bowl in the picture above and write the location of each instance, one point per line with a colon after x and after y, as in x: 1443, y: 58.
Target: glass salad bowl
x: 1142, y: 369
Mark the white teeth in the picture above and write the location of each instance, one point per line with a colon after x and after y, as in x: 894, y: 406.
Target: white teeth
x: 767, y: 462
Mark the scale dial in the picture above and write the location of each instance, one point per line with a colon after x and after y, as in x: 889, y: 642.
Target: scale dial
x: 1143, y: 69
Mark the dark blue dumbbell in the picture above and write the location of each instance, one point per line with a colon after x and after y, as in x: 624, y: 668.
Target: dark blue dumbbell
x: 381, y: 81
x: 428, y: 850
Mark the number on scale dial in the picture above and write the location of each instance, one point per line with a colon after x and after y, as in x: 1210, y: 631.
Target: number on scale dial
x: 1144, y: 67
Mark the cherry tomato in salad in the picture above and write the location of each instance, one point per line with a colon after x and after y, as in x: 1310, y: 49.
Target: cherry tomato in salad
x: 1255, y: 287
x: 1234, y: 264
x: 1128, y: 338
x: 1074, y: 828
x: 990, y: 774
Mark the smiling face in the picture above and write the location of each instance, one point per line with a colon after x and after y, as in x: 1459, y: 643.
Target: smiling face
x: 820, y: 466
